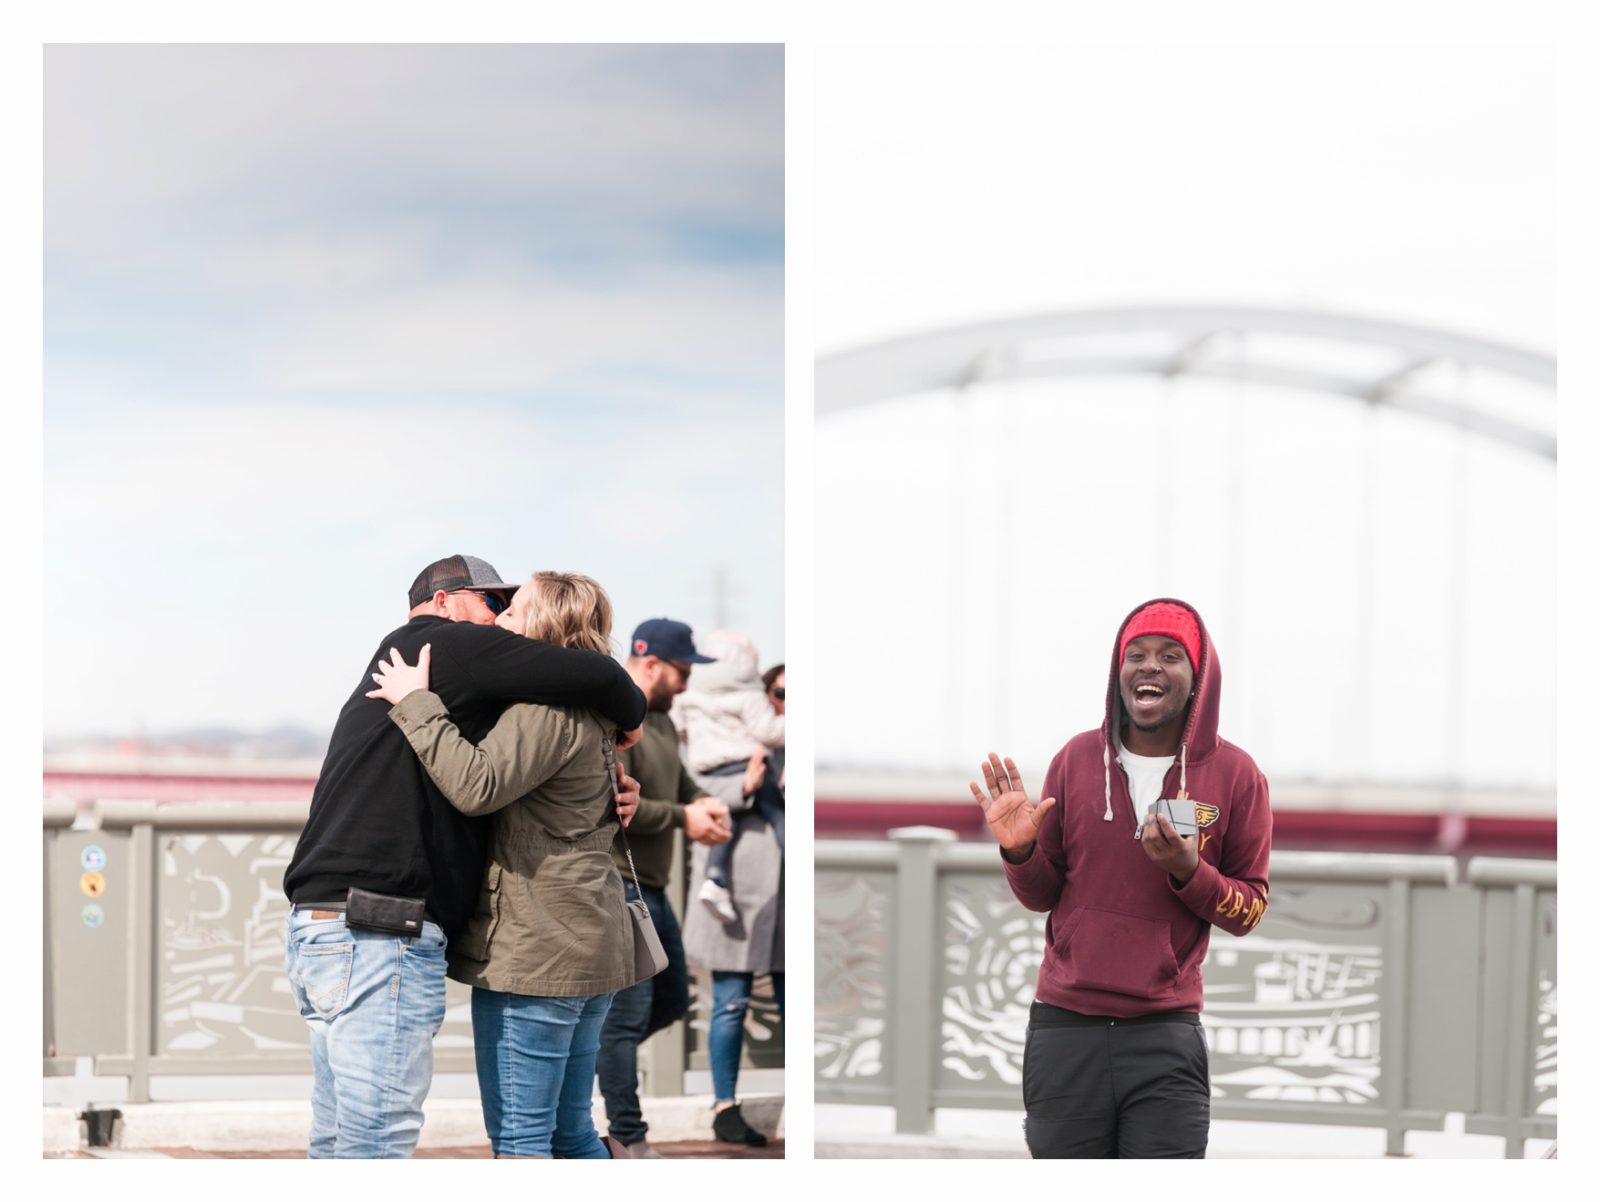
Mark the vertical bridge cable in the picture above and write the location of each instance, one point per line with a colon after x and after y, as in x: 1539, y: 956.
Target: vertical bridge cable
x: 1453, y: 821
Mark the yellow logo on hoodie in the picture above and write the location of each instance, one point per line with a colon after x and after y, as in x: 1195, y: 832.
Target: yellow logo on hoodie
x: 1205, y: 815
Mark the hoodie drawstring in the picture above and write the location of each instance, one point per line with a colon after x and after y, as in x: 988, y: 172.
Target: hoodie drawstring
x: 1105, y: 758
x: 1183, y: 778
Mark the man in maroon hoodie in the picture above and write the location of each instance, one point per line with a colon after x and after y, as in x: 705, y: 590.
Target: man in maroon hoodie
x: 1116, y: 1063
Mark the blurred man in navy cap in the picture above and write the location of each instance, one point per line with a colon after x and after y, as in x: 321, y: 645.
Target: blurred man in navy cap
x: 661, y: 656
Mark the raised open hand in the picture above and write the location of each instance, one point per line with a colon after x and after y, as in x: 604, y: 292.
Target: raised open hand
x: 1013, y: 818
x: 396, y: 678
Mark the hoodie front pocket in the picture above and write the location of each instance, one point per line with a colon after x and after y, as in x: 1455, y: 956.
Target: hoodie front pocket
x: 1118, y: 953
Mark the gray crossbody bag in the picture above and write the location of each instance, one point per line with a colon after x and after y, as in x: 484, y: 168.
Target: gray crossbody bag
x: 649, y: 957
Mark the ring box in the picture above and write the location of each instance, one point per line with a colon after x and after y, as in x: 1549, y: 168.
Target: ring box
x: 1179, y: 811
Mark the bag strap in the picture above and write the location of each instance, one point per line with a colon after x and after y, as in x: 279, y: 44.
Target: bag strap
x: 609, y: 745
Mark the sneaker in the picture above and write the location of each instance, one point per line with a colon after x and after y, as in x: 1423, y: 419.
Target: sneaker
x: 719, y: 901
x: 729, y: 1126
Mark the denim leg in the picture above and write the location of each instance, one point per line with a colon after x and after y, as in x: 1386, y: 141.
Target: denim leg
x: 721, y: 856
x: 373, y: 1003
x: 575, y: 1137
x: 526, y: 1049
x: 730, y: 998
x: 324, y: 1103
x: 769, y: 803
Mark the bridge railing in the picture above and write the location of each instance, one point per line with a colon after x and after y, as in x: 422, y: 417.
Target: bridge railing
x: 164, y: 953
x: 1377, y: 992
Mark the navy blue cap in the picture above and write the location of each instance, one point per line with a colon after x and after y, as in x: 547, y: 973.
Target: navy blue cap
x: 666, y: 639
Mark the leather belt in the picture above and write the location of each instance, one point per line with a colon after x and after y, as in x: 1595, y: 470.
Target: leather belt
x: 322, y: 909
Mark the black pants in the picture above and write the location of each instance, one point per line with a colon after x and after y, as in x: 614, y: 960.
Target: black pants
x: 1102, y: 1088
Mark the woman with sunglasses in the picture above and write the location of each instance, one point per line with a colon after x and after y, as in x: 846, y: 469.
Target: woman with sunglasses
x: 551, y: 941
x: 733, y: 732
x: 772, y: 678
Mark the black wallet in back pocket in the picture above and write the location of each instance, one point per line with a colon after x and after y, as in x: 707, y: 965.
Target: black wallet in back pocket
x: 380, y: 912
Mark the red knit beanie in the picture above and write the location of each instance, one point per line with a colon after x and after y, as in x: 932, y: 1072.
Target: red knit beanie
x: 1165, y: 618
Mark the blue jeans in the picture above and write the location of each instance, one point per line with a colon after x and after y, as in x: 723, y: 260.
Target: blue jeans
x: 637, y: 1013
x: 373, y: 1003
x: 536, y: 1072
x: 730, y: 998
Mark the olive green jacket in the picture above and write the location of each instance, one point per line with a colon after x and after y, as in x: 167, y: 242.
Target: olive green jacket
x: 550, y: 920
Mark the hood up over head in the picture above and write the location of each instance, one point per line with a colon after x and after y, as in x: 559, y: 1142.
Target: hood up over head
x: 1200, y: 722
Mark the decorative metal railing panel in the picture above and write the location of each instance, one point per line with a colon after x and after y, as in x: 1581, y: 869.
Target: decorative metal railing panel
x: 855, y: 913
x: 1314, y: 1017
x: 175, y: 964
x: 1542, y: 1056
x: 1294, y: 1012
x: 992, y: 950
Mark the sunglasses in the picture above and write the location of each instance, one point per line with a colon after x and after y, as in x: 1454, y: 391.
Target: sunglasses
x: 495, y: 602
x: 778, y: 693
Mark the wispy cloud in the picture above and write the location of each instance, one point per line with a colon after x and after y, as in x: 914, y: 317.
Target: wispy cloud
x: 315, y: 315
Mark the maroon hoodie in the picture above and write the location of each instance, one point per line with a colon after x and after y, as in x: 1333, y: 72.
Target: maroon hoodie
x: 1122, y: 938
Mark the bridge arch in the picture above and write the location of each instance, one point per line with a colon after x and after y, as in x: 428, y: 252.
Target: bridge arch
x: 1172, y: 341
x: 909, y: 427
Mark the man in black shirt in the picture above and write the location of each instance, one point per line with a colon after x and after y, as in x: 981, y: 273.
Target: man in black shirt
x: 378, y: 823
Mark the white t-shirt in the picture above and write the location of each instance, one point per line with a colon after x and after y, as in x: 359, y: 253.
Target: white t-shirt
x: 1145, y: 776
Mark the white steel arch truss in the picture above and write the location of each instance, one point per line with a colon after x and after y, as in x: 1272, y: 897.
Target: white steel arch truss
x: 1396, y: 369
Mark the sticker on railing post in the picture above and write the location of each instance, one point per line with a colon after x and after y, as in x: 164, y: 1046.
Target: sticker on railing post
x: 93, y: 858
x: 93, y: 916
x: 93, y: 884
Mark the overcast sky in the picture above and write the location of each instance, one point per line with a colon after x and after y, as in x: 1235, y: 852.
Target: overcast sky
x: 316, y: 316
x: 1017, y: 524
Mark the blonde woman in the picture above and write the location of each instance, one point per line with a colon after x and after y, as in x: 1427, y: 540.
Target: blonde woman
x: 550, y: 942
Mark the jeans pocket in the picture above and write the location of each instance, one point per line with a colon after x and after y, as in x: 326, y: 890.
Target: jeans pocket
x: 323, y: 973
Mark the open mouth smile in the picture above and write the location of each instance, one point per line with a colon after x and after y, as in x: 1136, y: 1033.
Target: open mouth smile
x: 1148, y: 696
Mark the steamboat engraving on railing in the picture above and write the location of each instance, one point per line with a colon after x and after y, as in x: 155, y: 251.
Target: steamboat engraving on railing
x: 1293, y: 1021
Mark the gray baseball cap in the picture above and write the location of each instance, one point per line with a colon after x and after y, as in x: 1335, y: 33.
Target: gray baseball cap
x: 457, y: 572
